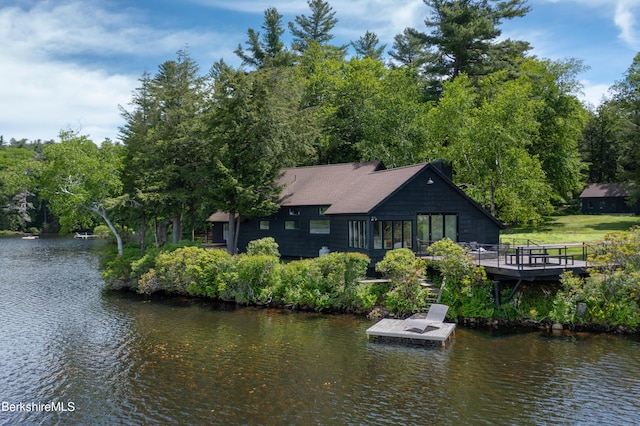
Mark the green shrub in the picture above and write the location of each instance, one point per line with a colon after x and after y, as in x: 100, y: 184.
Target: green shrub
x: 264, y: 246
x: 325, y: 283
x: 405, y: 272
x: 606, y: 300
x: 209, y: 273
x: 300, y: 280
x: 103, y: 231
x: 610, y: 295
x: 171, y: 272
x: 466, y: 290
x: 252, y: 279
x: 116, y: 270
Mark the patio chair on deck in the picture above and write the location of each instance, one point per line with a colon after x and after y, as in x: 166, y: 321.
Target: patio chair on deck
x: 434, y: 319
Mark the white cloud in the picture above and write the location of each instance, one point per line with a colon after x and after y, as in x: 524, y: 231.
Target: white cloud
x: 625, y: 19
x: 43, y: 98
x: 624, y: 13
x: 593, y: 94
x: 49, y: 81
x: 384, y: 17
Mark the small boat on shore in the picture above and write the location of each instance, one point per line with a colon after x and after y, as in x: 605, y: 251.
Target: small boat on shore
x: 30, y: 237
x: 85, y: 236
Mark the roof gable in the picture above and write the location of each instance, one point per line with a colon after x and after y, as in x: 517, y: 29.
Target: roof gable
x: 352, y: 188
x: 607, y: 190
x: 372, y: 189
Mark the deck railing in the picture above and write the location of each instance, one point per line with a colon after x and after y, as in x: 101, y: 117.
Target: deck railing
x: 523, y: 256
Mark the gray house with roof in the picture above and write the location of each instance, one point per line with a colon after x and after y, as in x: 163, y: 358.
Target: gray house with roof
x: 367, y: 208
x: 608, y: 198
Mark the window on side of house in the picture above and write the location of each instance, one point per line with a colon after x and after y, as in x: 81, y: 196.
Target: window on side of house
x: 358, y: 234
x: 291, y: 225
x: 390, y: 234
x: 319, y: 226
x: 264, y: 225
x: 434, y: 227
x: 294, y: 211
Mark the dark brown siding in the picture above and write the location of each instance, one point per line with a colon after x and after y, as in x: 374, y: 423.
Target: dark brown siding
x: 418, y: 197
x: 606, y: 205
x: 415, y: 197
x: 292, y: 243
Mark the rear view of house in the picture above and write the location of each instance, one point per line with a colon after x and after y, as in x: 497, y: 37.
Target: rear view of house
x: 367, y: 208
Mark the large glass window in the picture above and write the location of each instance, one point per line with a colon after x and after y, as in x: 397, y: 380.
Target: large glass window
x: 434, y: 227
x: 390, y: 234
x: 358, y: 234
x: 319, y: 226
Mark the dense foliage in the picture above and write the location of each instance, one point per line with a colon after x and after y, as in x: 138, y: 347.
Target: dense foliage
x: 610, y: 296
x: 509, y: 123
x: 519, y: 140
x: 611, y: 141
x: 466, y: 289
x: 331, y: 282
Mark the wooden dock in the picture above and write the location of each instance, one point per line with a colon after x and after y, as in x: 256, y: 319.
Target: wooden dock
x: 395, y: 328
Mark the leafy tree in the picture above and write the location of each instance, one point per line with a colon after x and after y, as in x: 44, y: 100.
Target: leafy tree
x: 80, y: 179
x: 164, y: 143
x: 269, y: 50
x: 561, y: 119
x: 367, y: 46
x: 394, y: 127
x: 486, y: 135
x: 256, y: 127
x: 626, y: 96
x: 367, y: 112
x: 17, y: 166
x: 599, y: 145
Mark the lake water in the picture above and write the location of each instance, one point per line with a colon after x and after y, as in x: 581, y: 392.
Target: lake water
x: 91, y: 357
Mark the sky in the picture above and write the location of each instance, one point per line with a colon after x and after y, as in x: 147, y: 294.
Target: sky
x: 71, y: 64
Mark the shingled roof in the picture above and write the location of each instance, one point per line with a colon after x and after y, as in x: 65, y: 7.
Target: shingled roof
x: 347, y: 188
x: 607, y: 190
x: 372, y: 189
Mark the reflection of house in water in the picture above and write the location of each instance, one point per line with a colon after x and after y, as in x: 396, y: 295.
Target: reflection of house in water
x: 367, y: 208
x: 606, y: 198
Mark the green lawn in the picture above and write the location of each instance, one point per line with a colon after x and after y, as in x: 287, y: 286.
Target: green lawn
x: 570, y: 229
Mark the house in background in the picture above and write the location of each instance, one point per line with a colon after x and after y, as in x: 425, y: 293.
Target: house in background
x: 366, y: 208
x: 608, y: 198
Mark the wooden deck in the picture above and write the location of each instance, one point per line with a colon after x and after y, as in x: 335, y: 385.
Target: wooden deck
x: 497, y: 268
x: 530, y: 264
x: 395, y: 328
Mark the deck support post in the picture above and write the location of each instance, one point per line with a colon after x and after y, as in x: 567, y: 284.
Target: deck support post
x: 496, y: 293
x: 514, y: 290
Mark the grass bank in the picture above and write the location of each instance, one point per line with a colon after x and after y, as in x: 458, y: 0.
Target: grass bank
x: 570, y: 229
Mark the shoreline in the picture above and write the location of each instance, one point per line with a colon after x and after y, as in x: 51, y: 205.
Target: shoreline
x: 378, y: 312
